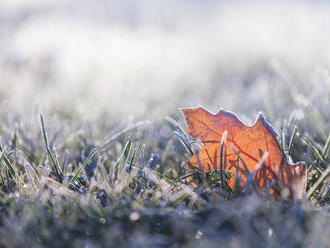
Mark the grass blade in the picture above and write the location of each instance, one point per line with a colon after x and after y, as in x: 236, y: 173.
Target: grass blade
x: 291, y: 139
x: 97, y: 149
x: 282, y: 143
x: 237, y: 178
x: 324, y: 175
x: 56, y: 166
x: 326, y: 148
x: 131, y: 162
x: 242, y: 160
x: 314, y: 148
x: 87, y: 162
x: 256, y: 169
x: 184, y: 143
x: 123, y: 158
x: 184, y: 177
x: 7, y: 162
x: 121, y: 133
x: 222, y: 160
x: 246, y: 170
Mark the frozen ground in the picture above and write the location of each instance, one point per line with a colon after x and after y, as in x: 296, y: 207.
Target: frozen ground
x: 96, y: 67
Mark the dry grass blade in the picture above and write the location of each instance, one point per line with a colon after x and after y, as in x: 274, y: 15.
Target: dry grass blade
x: 317, y: 184
x: 222, y: 160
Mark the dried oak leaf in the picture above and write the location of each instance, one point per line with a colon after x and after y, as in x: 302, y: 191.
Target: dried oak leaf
x: 252, y: 143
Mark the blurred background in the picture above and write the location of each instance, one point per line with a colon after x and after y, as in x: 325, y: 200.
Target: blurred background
x: 145, y: 59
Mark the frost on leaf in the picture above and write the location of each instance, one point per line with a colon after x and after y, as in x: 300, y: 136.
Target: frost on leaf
x: 257, y: 145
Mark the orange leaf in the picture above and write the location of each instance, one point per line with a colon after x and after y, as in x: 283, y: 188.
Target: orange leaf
x: 257, y: 145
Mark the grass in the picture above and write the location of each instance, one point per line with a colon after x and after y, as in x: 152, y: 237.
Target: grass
x: 62, y: 189
x: 103, y: 165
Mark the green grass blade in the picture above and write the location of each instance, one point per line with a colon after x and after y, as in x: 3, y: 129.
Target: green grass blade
x: 314, y: 148
x: 131, y: 162
x: 14, y: 140
x: 166, y: 179
x: 291, y: 139
x: 87, y: 162
x: 127, y: 150
x: 237, y: 187
x: 249, y: 177
x: 242, y: 160
x: 8, y: 164
x: 56, y: 167
x: 184, y: 177
x: 97, y: 149
x: 326, y: 148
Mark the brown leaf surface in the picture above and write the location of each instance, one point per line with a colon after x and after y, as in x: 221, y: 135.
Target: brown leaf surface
x: 251, y: 142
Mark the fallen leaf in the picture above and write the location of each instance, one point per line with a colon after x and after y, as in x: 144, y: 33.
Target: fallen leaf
x: 257, y: 145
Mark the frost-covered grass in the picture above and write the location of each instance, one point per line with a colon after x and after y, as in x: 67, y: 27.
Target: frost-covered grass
x: 104, y: 167
x: 132, y: 190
